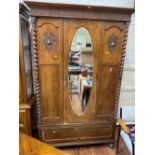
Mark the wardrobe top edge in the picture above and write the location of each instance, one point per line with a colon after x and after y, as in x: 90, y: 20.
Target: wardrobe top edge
x: 41, y: 5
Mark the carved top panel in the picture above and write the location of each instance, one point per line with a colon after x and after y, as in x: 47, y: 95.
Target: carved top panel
x: 79, y: 11
x: 92, y: 7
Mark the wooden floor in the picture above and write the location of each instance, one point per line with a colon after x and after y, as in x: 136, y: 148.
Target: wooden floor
x: 97, y: 150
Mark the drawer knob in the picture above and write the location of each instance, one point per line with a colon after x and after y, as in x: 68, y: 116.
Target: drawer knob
x: 20, y: 121
x: 106, y: 52
x: 21, y: 126
x: 55, y: 56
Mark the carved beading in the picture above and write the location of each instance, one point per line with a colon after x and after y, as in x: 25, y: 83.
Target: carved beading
x: 36, y: 67
x: 118, y: 87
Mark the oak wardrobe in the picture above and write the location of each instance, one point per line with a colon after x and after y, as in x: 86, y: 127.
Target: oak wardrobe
x: 78, y: 54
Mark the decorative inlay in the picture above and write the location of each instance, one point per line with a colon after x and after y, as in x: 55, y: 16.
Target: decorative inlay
x: 49, y: 40
x: 112, y: 43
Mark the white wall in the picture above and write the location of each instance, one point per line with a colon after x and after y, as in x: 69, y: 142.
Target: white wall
x: 81, y: 36
x: 127, y: 95
x: 115, y: 3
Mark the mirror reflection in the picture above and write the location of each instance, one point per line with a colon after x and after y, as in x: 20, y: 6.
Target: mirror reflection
x: 80, y: 70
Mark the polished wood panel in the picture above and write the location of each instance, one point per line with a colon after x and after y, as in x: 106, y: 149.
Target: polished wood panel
x: 50, y: 94
x: 79, y: 132
x: 108, y: 78
x: 31, y: 146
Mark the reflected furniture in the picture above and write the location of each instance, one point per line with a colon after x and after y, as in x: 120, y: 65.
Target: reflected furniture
x: 31, y: 146
x: 74, y: 58
x: 81, y: 79
x: 86, y: 55
x: 86, y: 92
x: 26, y: 93
x: 53, y: 29
x: 74, y: 70
x: 126, y: 128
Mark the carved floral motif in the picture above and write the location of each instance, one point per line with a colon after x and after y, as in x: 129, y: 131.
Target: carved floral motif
x: 112, y: 43
x: 49, y: 40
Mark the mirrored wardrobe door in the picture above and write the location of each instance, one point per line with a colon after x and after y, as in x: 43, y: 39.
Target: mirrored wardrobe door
x: 80, y: 71
x: 80, y: 63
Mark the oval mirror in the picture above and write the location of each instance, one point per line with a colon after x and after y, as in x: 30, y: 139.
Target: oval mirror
x: 80, y: 71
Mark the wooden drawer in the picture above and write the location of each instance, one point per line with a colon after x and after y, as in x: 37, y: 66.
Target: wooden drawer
x: 65, y: 133
x: 24, y: 121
